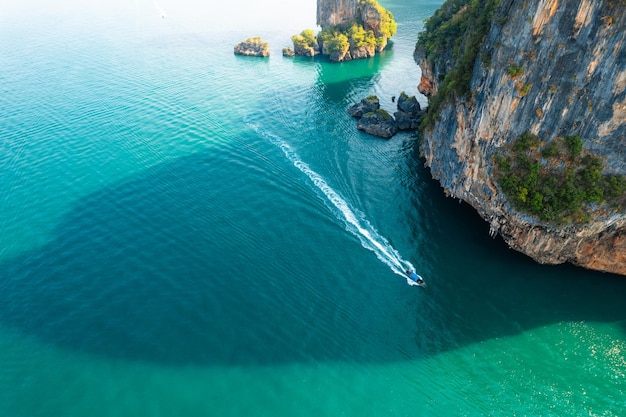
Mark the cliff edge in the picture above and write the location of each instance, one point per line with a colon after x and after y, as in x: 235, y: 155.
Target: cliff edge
x: 552, y: 68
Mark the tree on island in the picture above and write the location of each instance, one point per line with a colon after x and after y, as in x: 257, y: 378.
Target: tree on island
x: 361, y: 36
x: 253, y: 47
x: 305, y: 44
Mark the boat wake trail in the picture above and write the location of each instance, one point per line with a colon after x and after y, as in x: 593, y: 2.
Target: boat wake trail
x: 354, y: 221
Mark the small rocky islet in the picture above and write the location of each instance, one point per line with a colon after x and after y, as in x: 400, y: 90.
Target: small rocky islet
x: 358, y: 30
x: 378, y: 122
x: 254, y: 46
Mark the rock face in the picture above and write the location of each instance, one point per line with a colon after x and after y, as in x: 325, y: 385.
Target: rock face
x: 306, y: 51
x: 378, y: 123
x: 336, y: 12
x: 371, y: 17
x: 555, y: 68
x: 366, y: 105
x: 409, y: 112
x: 253, y: 47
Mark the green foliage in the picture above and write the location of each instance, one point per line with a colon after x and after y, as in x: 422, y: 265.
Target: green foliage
x: 526, y: 141
x: 359, y: 37
x: 309, y: 37
x: 444, y: 29
x: 550, y: 151
x: 455, y: 33
x: 574, y: 144
x: 338, y: 43
x: 515, y: 70
x: 306, y: 39
x: 388, y: 25
x: 556, y: 193
x: 525, y: 89
x: 383, y: 114
x: 326, y: 35
x: 353, y: 34
x: 615, y: 185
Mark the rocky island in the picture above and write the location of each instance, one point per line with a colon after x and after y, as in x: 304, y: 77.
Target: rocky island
x: 527, y: 122
x: 351, y: 29
x: 378, y: 122
x: 253, y: 47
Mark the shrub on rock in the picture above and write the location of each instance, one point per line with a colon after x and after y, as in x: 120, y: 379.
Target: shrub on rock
x: 253, y: 47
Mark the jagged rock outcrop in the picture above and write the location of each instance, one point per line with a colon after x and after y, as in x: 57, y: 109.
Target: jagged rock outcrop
x: 409, y: 112
x: 428, y: 83
x: 378, y: 122
x: 253, y: 47
x: 553, y: 68
x: 366, y: 105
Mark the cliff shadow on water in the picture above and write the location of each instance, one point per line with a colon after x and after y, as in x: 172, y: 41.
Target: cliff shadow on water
x: 480, y: 289
x: 147, y: 270
x: 338, y: 81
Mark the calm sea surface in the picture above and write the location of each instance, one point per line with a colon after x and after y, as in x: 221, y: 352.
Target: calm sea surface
x: 184, y: 232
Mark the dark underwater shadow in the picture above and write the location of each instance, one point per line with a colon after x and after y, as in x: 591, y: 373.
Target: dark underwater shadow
x: 180, y: 266
x: 481, y: 289
x: 338, y: 81
x: 147, y: 270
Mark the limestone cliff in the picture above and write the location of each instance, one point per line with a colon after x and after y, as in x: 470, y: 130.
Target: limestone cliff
x: 351, y: 29
x: 336, y: 12
x: 549, y: 67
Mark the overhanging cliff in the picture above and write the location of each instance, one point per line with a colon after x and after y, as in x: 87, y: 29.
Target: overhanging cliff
x: 549, y: 67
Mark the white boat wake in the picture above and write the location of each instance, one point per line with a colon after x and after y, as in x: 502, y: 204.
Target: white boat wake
x: 354, y: 221
x: 161, y: 12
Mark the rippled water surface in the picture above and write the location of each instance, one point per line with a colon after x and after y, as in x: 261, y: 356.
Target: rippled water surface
x: 184, y: 232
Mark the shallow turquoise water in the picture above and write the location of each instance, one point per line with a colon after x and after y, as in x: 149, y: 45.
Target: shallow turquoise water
x: 185, y: 232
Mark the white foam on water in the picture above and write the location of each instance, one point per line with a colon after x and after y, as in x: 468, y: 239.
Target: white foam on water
x: 354, y: 221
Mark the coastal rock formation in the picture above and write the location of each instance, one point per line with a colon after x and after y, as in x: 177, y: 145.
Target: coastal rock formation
x: 253, y: 47
x: 549, y: 67
x: 351, y: 29
x: 409, y: 112
x: 366, y: 105
x: 378, y: 122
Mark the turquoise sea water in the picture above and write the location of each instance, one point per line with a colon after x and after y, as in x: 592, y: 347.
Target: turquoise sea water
x: 184, y: 232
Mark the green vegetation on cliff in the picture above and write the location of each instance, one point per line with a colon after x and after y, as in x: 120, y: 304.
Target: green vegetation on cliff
x: 359, y: 37
x: 451, y: 41
x: 335, y: 42
x: 306, y: 39
x: 387, y: 26
x: 370, y: 29
x: 557, y: 181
